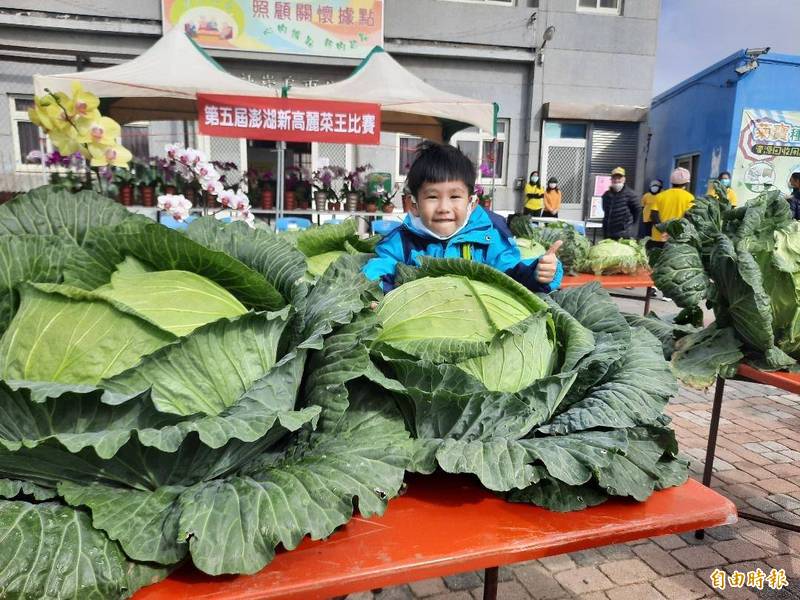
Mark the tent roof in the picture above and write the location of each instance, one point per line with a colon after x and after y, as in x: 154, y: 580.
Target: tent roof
x: 163, y: 83
x: 408, y: 103
x: 160, y: 84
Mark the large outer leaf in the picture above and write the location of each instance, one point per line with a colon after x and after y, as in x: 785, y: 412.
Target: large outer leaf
x: 235, y: 525
x: 28, y: 258
x: 180, y: 379
x: 175, y: 301
x: 52, y: 551
x: 53, y: 211
x: 665, y: 330
x: 680, y: 274
x: 79, y: 421
x: 553, y: 494
x: 260, y: 249
x: 319, y: 240
x: 634, y: 391
x: 55, y: 338
x: 168, y: 249
x: 701, y: 357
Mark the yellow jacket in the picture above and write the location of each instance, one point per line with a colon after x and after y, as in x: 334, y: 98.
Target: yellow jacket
x: 731, y: 194
x: 670, y: 204
x: 534, y: 196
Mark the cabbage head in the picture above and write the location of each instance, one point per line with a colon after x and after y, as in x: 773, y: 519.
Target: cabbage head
x: 615, y: 256
x: 554, y: 400
x: 529, y: 248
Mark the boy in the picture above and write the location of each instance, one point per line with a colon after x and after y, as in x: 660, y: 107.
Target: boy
x: 445, y: 222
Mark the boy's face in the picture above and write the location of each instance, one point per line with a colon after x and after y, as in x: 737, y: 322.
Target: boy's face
x: 442, y: 207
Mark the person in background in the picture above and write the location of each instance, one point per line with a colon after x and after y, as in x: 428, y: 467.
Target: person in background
x: 724, y: 180
x: 534, y: 196
x: 552, y: 199
x: 670, y: 204
x: 794, y: 197
x: 648, y: 199
x: 620, y: 208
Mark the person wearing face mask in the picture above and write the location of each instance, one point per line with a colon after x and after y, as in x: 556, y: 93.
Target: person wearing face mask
x: 552, y: 199
x: 648, y: 199
x: 670, y: 204
x: 534, y: 196
x: 724, y: 180
x: 620, y: 208
x: 794, y: 197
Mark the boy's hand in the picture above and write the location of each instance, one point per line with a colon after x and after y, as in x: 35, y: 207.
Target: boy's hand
x: 546, y: 267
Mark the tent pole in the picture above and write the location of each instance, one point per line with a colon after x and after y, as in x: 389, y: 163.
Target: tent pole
x: 185, y: 134
x: 280, y: 183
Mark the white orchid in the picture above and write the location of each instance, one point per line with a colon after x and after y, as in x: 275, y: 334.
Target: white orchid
x: 241, y: 202
x: 172, y: 150
x: 206, y: 170
x: 227, y: 198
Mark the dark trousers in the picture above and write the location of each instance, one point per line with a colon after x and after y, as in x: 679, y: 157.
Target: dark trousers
x: 551, y: 215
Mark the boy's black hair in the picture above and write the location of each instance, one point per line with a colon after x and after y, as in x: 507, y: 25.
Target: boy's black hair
x: 436, y: 163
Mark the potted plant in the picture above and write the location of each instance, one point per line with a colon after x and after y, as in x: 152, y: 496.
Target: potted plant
x: 167, y: 175
x: 148, y: 179
x: 324, y: 194
x: 353, y: 188
x: 289, y: 187
x: 484, y: 196
x: 123, y: 180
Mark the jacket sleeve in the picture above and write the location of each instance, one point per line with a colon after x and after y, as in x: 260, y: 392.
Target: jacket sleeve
x: 634, y: 206
x: 504, y: 256
x: 382, y: 268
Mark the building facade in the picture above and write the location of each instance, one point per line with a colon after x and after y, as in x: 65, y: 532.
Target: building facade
x: 740, y: 115
x: 571, y: 107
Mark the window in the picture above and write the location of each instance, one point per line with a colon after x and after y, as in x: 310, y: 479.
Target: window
x: 135, y: 137
x: 480, y: 147
x: 499, y: 2
x: 608, y: 7
x: 406, y: 149
x: 25, y: 135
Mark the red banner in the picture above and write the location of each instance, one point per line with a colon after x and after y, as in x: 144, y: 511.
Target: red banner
x: 289, y: 119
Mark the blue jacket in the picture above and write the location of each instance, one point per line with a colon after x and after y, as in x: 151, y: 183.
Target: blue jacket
x: 485, y: 239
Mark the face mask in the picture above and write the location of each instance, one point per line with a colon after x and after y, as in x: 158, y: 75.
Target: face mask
x: 725, y: 182
x: 552, y: 186
x: 417, y: 223
x: 534, y: 179
x: 617, y: 186
x: 654, y: 189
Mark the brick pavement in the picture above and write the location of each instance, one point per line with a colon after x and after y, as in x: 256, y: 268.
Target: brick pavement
x: 757, y: 467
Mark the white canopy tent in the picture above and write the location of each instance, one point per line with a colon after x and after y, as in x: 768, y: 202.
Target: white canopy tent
x: 162, y: 85
x: 408, y: 104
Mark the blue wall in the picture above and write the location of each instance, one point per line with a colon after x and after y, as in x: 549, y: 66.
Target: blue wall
x: 703, y: 113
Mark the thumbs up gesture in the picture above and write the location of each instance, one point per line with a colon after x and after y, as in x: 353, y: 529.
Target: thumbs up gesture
x: 546, y: 267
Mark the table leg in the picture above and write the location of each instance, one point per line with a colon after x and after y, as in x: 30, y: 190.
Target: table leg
x: 647, y: 301
x: 712, y: 440
x: 490, y: 583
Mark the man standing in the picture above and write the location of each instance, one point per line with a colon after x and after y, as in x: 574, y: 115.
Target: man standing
x: 670, y: 204
x: 620, y: 208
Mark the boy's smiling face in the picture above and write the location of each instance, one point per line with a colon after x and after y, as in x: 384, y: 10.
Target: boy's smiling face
x: 442, y: 207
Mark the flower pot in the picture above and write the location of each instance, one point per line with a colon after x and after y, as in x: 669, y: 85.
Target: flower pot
x: 370, y: 206
x: 170, y: 189
x: 321, y: 200
x: 125, y: 196
x: 289, y: 202
x: 353, y: 201
x: 267, y: 200
x: 333, y: 205
x: 189, y: 194
x: 303, y: 204
x: 148, y: 195
x: 387, y: 207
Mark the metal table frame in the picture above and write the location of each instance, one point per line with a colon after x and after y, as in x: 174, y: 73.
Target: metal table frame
x: 785, y: 381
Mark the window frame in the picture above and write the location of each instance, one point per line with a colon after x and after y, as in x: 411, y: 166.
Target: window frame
x: 483, y: 137
x: 397, y: 175
x: 598, y: 10
x: 693, y: 159
x: 21, y: 116
x: 506, y: 3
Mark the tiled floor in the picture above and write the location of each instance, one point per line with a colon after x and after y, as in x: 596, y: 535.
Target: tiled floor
x: 757, y: 466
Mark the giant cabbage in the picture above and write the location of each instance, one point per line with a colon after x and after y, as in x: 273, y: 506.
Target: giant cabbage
x: 151, y: 409
x: 555, y: 400
x: 743, y: 262
x: 611, y: 257
x: 572, y: 253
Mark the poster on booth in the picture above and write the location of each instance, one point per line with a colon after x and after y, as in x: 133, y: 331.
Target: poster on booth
x: 289, y: 119
x: 340, y: 28
x: 768, y: 152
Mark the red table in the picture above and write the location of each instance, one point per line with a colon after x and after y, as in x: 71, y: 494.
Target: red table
x: 779, y: 379
x: 641, y: 279
x: 444, y: 525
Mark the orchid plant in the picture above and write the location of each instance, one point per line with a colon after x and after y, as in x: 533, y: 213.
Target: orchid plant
x: 323, y: 179
x: 75, y: 125
x: 356, y: 181
x: 193, y: 165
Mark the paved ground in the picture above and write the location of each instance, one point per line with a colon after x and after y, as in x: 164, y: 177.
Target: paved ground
x: 757, y: 466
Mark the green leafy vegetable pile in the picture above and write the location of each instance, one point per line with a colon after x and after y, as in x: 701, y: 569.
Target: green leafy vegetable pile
x: 610, y: 257
x: 572, y: 254
x: 744, y: 263
x: 196, y: 396
x: 149, y: 400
